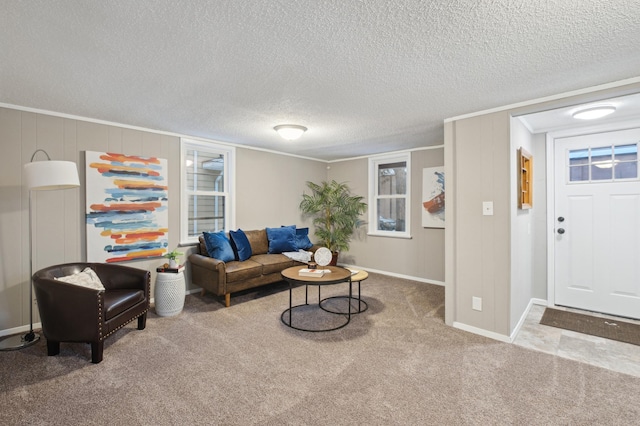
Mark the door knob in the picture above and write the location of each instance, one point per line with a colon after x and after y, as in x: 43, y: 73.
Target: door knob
x: 560, y: 230
x: 561, y: 219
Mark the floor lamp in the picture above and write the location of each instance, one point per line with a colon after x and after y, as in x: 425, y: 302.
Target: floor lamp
x: 40, y: 176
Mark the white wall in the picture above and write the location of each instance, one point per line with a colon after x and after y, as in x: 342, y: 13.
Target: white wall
x: 522, y: 227
x: 539, y: 228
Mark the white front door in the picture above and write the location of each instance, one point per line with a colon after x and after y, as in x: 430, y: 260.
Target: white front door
x: 597, y: 223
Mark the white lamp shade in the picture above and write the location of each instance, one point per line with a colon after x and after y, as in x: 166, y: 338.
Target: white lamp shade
x: 48, y: 175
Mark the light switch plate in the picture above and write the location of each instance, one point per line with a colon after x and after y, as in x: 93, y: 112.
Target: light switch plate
x: 487, y: 208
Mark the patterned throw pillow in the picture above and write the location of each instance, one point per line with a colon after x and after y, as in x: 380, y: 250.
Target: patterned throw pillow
x: 86, y: 278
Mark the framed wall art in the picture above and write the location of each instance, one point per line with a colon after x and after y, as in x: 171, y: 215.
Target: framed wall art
x: 127, y: 214
x: 433, y: 197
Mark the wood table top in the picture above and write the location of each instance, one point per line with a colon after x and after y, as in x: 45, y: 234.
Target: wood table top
x: 337, y: 275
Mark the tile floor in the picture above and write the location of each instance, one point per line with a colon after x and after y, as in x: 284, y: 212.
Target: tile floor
x: 611, y: 354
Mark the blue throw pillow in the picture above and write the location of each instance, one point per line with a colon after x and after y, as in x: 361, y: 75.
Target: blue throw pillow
x: 282, y: 239
x: 240, y: 244
x: 219, y: 246
x: 302, y: 239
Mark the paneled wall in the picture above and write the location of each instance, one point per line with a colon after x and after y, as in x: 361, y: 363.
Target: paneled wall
x: 268, y: 188
x: 420, y: 257
x: 479, y: 255
x: 58, y: 216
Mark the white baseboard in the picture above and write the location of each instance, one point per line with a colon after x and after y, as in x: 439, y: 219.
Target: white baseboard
x: 497, y: 336
x: 19, y: 330
x: 532, y: 302
x: 542, y: 302
x: 482, y: 332
x: 393, y: 274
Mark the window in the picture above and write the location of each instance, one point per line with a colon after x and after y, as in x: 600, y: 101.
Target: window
x: 389, y: 195
x: 207, y: 189
x: 607, y: 163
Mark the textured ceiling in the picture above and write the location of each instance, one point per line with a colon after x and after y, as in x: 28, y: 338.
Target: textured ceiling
x: 364, y: 76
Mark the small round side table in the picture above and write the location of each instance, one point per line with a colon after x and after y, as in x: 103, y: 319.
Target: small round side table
x: 169, y: 293
x: 358, y: 277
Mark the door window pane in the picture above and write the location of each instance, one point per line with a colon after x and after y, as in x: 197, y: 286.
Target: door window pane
x: 626, y: 161
x: 578, y: 157
x: 604, y: 163
x: 601, y: 154
x: 579, y: 165
x: 601, y: 163
x: 626, y: 152
x: 601, y: 171
x: 579, y: 173
x: 626, y: 170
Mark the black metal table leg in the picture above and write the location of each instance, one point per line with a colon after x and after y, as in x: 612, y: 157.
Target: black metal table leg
x: 290, y: 301
x: 362, y: 305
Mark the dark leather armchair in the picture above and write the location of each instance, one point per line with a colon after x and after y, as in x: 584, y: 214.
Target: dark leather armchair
x: 72, y: 313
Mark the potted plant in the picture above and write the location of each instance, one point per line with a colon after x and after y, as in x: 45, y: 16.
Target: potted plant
x: 173, y: 257
x: 336, y: 214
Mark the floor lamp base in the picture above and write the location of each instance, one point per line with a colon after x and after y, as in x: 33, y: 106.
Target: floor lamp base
x: 18, y: 341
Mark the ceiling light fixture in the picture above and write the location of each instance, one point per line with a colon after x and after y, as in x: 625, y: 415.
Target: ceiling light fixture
x: 594, y: 112
x: 290, y: 132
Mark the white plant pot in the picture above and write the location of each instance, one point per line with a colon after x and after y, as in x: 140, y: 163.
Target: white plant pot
x: 173, y: 263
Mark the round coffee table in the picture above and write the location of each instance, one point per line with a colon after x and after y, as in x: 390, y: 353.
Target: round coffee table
x: 335, y: 276
x: 358, y: 277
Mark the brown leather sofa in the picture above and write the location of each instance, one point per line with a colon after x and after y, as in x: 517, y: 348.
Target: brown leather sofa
x: 72, y: 313
x: 222, y: 278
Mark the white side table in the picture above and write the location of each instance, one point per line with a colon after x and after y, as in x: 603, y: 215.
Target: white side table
x: 169, y: 293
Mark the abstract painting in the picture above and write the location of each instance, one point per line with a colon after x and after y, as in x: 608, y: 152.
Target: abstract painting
x: 127, y: 216
x: 433, y: 197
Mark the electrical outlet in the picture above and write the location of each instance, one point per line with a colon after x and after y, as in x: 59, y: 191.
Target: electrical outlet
x: 476, y: 303
x: 487, y: 208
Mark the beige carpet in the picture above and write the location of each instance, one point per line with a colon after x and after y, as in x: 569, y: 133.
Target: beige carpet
x: 395, y: 364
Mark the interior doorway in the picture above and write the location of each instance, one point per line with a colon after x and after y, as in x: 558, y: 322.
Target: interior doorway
x: 560, y: 124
